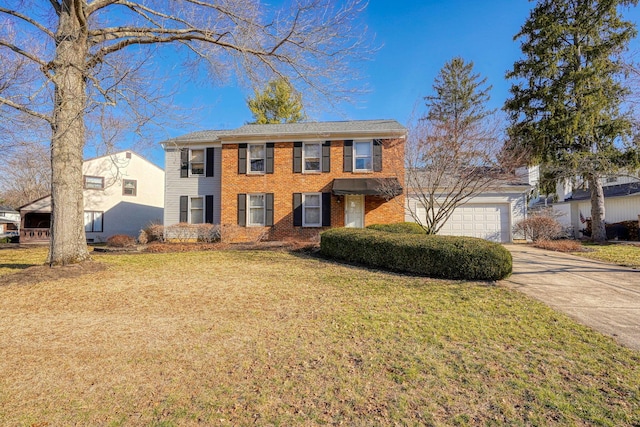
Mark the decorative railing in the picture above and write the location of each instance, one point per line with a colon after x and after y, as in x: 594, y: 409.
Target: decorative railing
x: 34, y: 235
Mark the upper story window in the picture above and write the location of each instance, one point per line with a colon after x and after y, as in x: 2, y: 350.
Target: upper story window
x: 93, y: 182
x: 256, y: 154
x: 196, y: 162
x: 312, y: 155
x: 362, y: 156
x: 129, y: 187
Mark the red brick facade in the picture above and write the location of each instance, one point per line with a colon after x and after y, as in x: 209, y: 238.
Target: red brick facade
x: 283, y: 183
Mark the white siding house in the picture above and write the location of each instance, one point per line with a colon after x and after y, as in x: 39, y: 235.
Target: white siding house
x: 192, y: 179
x: 123, y: 193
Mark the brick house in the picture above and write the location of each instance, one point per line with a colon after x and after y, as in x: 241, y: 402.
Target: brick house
x: 287, y: 181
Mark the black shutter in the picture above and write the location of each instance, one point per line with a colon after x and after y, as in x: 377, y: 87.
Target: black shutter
x: 297, y: 157
x: 184, y: 162
x: 208, y: 209
x: 326, y: 156
x: 242, y: 158
x: 209, y: 160
x: 242, y: 210
x: 377, y: 155
x: 269, y: 159
x: 348, y: 156
x: 268, y: 204
x: 326, y: 209
x: 297, y: 209
x: 184, y: 208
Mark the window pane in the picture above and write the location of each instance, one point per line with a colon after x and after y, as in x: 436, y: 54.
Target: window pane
x: 256, y: 151
x: 256, y: 216
x: 97, y: 221
x: 196, y: 203
x: 363, y: 149
x: 197, y: 156
x: 196, y: 216
x: 364, y: 163
x: 88, y: 221
x: 312, y: 150
x: 256, y: 200
x: 312, y: 200
x: 311, y: 216
x: 257, y: 165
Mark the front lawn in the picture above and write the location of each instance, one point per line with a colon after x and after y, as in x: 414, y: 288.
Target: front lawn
x: 273, y: 338
x: 617, y: 253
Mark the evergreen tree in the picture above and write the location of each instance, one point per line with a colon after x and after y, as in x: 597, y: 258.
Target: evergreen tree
x: 278, y: 103
x: 566, y: 106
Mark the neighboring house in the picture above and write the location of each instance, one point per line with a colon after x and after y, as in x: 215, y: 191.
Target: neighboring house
x: 284, y: 181
x: 621, y: 202
x: 490, y: 215
x: 123, y: 193
x: 9, y: 220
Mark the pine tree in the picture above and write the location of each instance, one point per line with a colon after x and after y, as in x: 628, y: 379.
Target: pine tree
x: 566, y: 106
x: 278, y: 103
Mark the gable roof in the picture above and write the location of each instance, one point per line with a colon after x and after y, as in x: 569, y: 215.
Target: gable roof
x: 609, y: 191
x: 287, y: 131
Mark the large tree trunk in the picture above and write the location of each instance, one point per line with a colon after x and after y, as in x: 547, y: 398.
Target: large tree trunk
x: 598, y: 229
x: 68, y: 241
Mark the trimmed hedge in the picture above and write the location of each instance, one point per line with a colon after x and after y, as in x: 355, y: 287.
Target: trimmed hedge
x: 446, y: 257
x: 399, y: 227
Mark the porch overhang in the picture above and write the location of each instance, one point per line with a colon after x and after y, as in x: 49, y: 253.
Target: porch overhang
x: 384, y: 187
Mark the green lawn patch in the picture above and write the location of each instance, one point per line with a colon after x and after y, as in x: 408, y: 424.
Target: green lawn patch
x: 627, y: 255
x: 274, y: 338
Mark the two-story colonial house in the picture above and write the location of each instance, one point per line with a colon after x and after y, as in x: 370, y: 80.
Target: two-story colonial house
x: 284, y: 181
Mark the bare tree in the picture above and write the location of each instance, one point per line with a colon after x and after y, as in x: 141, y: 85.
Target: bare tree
x: 443, y: 173
x: 71, y: 59
x: 453, y: 151
x: 25, y: 174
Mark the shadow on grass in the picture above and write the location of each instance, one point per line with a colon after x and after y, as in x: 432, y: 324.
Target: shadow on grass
x: 17, y: 266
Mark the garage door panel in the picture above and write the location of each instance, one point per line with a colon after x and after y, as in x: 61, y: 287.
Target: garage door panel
x: 489, y: 222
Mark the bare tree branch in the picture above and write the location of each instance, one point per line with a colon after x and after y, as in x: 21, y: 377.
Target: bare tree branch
x: 25, y: 110
x: 27, y: 19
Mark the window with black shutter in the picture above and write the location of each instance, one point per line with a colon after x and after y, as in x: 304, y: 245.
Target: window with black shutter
x: 326, y: 209
x: 297, y: 157
x: 242, y: 210
x: 209, y: 162
x: 184, y: 163
x: 326, y: 156
x: 208, y: 209
x: 242, y: 158
x: 297, y: 209
x: 347, y: 160
x: 184, y: 208
x: 377, y: 155
x: 269, y: 158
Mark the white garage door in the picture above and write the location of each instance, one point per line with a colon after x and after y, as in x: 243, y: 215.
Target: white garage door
x: 486, y: 221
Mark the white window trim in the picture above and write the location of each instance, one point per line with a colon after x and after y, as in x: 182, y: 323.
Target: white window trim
x: 355, y: 157
x: 304, y: 163
x: 191, y: 208
x: 264, y: 210
x: 204, y: 153
x: 304, y: 209
x: 264, y: 159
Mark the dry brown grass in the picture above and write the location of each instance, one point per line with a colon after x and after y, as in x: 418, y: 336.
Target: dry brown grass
x: 273, y: 338
x: 559, y: 245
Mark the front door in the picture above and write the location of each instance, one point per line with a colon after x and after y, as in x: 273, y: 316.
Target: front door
x: 354, y: 211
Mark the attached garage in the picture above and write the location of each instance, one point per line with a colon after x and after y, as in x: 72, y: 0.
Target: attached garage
x: 486, y: 221
x: 489, y: 216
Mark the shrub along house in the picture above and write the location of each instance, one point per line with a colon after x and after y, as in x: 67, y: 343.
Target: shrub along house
x: 285, y: 181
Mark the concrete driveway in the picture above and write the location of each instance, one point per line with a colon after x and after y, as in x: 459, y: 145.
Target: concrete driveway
x: 603, y: 296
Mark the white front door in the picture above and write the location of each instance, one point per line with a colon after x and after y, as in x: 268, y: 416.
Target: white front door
x: 354, y: 211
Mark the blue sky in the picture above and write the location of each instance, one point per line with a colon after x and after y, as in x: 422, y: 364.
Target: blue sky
x: 416, y: 39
